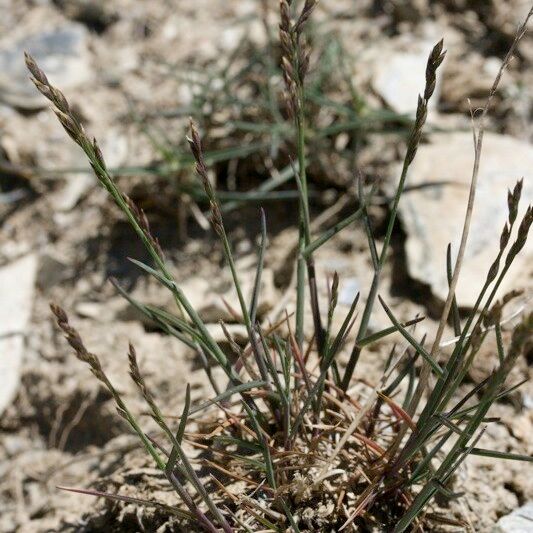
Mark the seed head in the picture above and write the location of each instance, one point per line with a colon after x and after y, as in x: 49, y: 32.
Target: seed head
x: 505, y: 236
x: 99, y: 156
x: 303, y: 63
x: 42, y: 84
x: 334, y: 296
x: 493, y: 271
x: 142, y: 220
x: 285, y: 15
x: 285, y: 40
x: 216, y: 218
x: 288, y: 71
x: 513, y: 200
x: 521, y: 238
x: 421, y: 113
x: 201, y: 168
x: 436, y: 57
x: 195, y: 143
x: 35, y: 71
x: 75, y: 341
x: 71, y: 126
x: 136, y: 376
x: 59, y: 100
x: 520, y: 342
x: 307, y: 10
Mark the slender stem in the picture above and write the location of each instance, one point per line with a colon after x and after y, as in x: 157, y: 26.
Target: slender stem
x: 301, y: 266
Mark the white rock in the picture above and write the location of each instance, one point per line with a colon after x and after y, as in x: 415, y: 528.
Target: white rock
x: 104, y: 311
x: 528, y: 401
x: 400, y: 77
x: 433, y: 215
x: 89, y: 309
x: 76, y: 187
x: 519, y: 521
x: 348, y: 291
x: 17, y: 282
x: 62, y: 53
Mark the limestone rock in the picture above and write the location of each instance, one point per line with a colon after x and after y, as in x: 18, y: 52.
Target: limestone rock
x: 349, y: 289
x: 433, y: 212
x: 519, y: 521
x: 17, y: 281
x: 61, y: 52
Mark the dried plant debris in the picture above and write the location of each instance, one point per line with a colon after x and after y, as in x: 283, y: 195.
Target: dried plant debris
x: 292, y: 440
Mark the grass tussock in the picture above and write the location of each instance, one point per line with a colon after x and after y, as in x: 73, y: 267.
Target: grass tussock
x: 286, y: 443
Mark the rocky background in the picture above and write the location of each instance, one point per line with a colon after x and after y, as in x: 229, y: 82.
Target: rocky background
x: 134, y: 72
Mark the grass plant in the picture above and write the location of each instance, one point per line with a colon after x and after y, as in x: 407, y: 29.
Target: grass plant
x: 295, y: 449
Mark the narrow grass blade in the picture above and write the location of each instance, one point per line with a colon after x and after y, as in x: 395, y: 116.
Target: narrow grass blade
x: 259, y: 271
x: 383, y: 333
x: 410, y: 387
x: 184, y: 415
x: 181, y: 431
x: 412, y: 341
x: 263, y: 445
x: 238, y: 389
x: 271, y: 367
x: 401, y: 375
x: 315, y: 390
x: 455, y: 309
x: 471, y: 393
x: 422, y: 468
x: 153, y: 314
x: 500, y: 396
x: 261, y: 519
x: 253, y: 447
x: 129, y: 499
x: 344, y: 330
x: 398, y: 411
x: 206, y: 338
x: 169, y: 284
x: 449, y: 424
x: 366, y: 223
x: 501, y: 455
